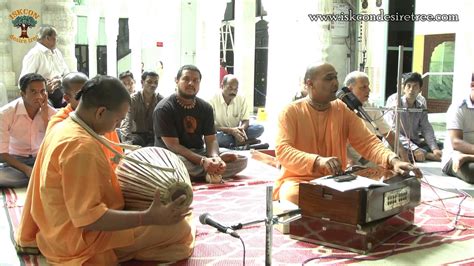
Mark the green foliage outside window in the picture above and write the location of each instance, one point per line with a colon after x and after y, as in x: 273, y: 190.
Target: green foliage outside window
x: 440, y: 87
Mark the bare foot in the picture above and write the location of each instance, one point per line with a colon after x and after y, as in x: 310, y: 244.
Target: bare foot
x: 213, y: 179
x: 457, y: 161
x: 432, y: 157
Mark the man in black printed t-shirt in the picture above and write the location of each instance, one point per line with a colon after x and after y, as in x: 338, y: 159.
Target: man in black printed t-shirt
x: 180, y: 122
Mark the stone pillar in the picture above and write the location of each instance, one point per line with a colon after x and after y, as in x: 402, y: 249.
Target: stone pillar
x: 93, y: 21
x: 187, y: 41
x: 375, y: 43
x: 136, y: 29
x: 170, y: 54
x: 244, y: 47
x: 7, y: 75
x: 60, y: 15
x: 209, y: 17
x: 111, y: 30
x: 294, y: 43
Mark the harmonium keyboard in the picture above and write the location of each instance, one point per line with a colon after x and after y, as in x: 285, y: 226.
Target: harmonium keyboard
x: 357, y: 220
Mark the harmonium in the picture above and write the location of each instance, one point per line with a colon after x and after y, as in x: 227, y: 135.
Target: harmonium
x: 359, y: 219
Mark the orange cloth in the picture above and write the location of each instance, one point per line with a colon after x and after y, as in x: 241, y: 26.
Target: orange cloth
x: 26, y: 234
x: 72, y: 185
x: 112, y: 136
x: 305, y: 134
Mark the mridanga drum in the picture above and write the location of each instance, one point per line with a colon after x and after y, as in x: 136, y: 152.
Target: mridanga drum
x: 139, y: 181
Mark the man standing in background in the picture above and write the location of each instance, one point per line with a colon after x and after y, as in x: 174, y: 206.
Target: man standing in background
x: 45, y: 59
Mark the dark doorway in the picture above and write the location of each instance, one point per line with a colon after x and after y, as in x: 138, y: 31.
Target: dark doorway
x: 399, y: 33
x: 82, y: 56
x: 102, y: 59
x: 261, y: 63
x: 123, y: 42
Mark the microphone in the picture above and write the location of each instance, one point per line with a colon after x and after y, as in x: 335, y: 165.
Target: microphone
x: 206, y: 218
x: 345, y: 95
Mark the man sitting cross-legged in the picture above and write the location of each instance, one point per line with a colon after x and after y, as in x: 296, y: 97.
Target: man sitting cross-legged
x: 414, y: 123
x: 458, y: 154
x: 313, y: 134
x: 137, y: 127
x: 71, y: 85
x: 22, y: 129
x: 180, y: 123
x: 231, y: 115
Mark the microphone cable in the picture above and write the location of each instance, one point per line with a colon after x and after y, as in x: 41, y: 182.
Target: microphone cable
x: 455, y: 226
x: 243, y: 246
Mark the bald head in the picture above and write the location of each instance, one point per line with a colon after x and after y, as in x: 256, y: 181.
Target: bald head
x: 315, y: 69
x: 103, y: 91
x: 71, y: 84
x: 73, y: 78
x: 104, y: 103
x: 321, y: 82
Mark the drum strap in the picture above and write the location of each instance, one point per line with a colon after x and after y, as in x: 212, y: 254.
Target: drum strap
x: 107, y: 143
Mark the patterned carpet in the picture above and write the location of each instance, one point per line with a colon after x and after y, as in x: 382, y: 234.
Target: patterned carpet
x: 436, y: 238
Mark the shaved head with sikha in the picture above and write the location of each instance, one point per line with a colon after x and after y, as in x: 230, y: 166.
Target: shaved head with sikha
x: 104, y: 102
x: 321, y: 83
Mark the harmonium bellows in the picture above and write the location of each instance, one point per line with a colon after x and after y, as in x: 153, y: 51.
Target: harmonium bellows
x: 368, y: 216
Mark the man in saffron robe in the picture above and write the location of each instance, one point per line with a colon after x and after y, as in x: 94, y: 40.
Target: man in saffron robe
x: 314, y: 132
x: 71, y: 85
x: 76, y: 200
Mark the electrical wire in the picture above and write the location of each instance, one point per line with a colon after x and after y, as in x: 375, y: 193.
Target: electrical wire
x: 392, y: 251
x: 243, y: 246
x: 454, y: 227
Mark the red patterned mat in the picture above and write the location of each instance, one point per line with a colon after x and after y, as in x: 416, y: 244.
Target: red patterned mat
x: 255, y: 173
x: 247, y: 203
x: 230, y: 207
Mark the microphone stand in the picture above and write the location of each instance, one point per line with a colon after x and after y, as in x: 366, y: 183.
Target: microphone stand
x: 399, y: 104
x: 271, y: 220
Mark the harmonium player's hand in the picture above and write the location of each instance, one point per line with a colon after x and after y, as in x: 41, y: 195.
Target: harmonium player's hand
x: 404, y: 168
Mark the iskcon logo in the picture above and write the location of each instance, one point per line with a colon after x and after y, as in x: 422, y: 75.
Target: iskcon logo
x: 24, y: 19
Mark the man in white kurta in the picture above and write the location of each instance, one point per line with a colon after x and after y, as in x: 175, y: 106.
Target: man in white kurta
x: 45, y: 59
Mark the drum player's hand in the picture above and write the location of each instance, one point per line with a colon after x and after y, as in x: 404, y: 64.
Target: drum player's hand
x: 332, y: 164
x: 171, y: 213
x: 214, y: 165
x: 403, y: 168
